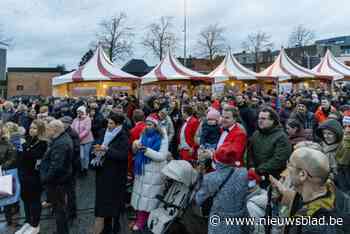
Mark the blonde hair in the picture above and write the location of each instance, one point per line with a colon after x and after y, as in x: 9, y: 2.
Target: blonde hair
x: 2, y: 130
x: 41, y: 126
x: 8, y: 104
x: 9, y: 129
x: 43, y: 109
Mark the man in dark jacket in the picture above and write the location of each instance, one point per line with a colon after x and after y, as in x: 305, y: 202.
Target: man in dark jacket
x: 21, y: 117
x: 56, y: 172
x: 72, y: 201
x: 98, y: 125
x: 247, y: 115
x: 305, y: 116
x: 127, y: 122
x: 269, y: 148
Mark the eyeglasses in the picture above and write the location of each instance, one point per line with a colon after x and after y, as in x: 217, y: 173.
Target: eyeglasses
x: 263, y: 118
x: 299, y: 168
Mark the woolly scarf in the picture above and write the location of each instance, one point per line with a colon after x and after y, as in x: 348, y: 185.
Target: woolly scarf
x: 16, y: 140
x: 151, y: 138
x: 109, y: 135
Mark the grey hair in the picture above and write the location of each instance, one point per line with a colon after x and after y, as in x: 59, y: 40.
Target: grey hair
x: 22, y: 107
x: 57, y: 125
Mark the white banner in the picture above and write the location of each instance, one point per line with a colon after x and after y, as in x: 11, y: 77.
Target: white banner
x: 218, y: 89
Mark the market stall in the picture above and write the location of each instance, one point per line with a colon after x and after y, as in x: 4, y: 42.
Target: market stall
x: 98, y: 77
x: 287, y: 71
x: 171, y: 75
x: 330, y: 66
x: 231, y: 75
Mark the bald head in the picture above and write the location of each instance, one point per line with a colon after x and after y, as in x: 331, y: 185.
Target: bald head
x: 313, y: 161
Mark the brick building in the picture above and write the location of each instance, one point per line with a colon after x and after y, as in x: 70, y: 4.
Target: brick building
x: 202, y: 65
x: 31, y: 81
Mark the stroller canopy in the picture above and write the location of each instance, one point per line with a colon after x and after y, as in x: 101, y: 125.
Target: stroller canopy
x: 181, y: 171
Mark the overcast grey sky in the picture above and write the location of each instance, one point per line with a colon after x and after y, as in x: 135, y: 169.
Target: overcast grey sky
x: 51, y: 32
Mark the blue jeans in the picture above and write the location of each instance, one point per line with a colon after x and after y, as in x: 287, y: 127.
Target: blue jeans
x: 85, y: 155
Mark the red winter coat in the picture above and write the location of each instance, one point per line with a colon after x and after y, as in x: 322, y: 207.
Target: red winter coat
x: 190, y: 132
x: 135, y: 134
x: 233, y: 146
x: 320, y: 116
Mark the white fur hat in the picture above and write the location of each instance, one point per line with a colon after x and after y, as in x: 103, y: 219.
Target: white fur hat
x: 82, y: 109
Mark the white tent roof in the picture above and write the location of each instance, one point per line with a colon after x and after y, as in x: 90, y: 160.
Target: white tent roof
x: 286, y: 69
x: 330, y: 66
x: 98, y: 68
x: 170, y: 69
x: 231, y: 68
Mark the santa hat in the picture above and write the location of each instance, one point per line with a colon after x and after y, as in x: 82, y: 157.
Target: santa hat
x: 253, y: 178
x: 213, y: 114
x: 216, y: 105
x: 153, y: 118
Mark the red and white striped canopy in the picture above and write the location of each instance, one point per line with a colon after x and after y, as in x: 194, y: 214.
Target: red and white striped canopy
x: 170, y: 69
x: 98, y: 68
x: 286, y: 69
x: 330, y: 66
x: 230, y: 68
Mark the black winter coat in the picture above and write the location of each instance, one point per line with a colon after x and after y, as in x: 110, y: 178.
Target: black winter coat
x: 249, y: 117
x: 76, y: 149
x: 111, y: 178
x: 29, y: 175
x: 98, y: 127
x: 56, y: 166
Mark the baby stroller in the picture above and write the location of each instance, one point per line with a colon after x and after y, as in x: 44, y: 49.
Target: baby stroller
x: 178, y: 197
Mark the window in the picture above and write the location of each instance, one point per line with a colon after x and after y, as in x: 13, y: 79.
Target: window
x: 19, y: 87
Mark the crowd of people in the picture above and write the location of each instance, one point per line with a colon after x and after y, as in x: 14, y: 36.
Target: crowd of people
x: 258, y: 154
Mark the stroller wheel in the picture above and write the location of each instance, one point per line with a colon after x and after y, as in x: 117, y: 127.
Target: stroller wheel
x: 177, y: 227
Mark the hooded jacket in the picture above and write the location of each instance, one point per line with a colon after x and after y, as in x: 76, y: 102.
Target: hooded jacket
x: 331, y: 150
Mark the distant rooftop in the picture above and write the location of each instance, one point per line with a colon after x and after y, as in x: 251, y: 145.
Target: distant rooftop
x: 335, y: 40
x: 35, y: 69
x: 137, y: 67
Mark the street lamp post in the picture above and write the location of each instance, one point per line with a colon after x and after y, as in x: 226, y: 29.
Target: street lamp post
x: 185, y: 31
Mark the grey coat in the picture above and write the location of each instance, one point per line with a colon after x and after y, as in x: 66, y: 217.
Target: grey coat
x: 229, y: 202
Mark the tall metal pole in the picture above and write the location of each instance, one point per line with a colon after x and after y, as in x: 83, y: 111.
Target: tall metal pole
x: 185, y: 31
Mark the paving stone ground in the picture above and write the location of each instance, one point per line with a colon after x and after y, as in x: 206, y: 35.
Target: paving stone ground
x: 83, y: 224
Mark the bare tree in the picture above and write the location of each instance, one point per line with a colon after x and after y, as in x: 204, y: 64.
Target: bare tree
x: 115, y: 37
x: 87, y: 56
x: 256, y: 43
x: 160, y: 37
x: 301, y: 36
x: 211, y: 41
